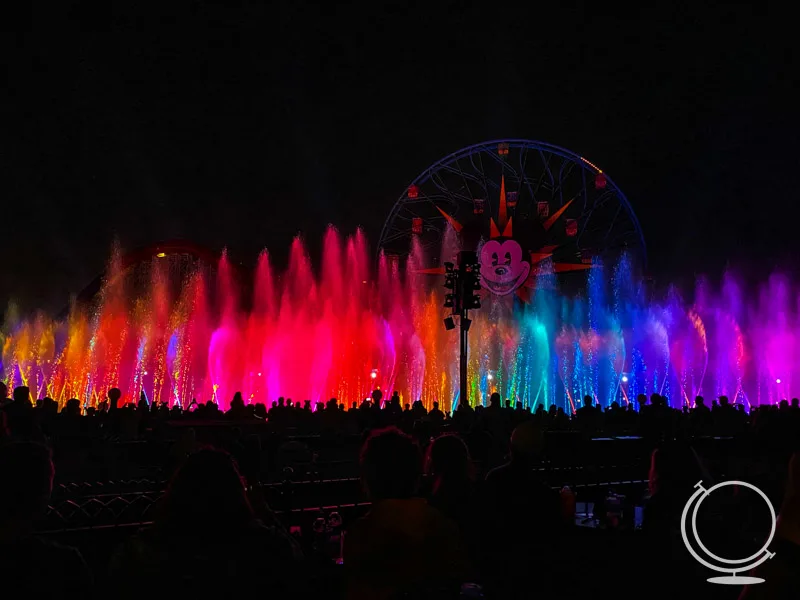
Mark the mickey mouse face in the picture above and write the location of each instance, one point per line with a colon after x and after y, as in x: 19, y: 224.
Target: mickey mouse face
x: 502, y: 267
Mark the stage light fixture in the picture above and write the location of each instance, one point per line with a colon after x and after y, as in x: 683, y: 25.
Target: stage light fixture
x: 449, y: 324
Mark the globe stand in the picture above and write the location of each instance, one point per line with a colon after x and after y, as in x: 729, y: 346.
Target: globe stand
x: 735, y: 580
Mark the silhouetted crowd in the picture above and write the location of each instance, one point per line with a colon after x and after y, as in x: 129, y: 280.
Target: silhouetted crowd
x: 435, y: 528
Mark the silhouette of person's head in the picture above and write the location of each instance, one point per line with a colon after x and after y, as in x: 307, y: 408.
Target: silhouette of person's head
x: 795, y: 402
x: 113, y: 397
x: 494, y: 400
x: 206, y: 496
x: 587, y: 401
x: 435, y: 405
x: 3, y: 391
x: 527, y: 442
x: 699, y: 402
x: 783, y: 404
x: 22, y: 395
x: 448, y: 458
x: 642, y: 400
x: 238, y: 401
x: 391, y: 463
x: 26, y: 479
x: 723, y: 401
x: 655, y: 400
x: 377, y: 395
x: 73, y: 407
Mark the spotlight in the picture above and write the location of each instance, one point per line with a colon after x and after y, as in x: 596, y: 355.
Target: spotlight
x: 777, y: 381
x: 161, y: 255
x: 624, y: 379
x: 449, y: 324
x: 374, y: 373
x: 489, y: 376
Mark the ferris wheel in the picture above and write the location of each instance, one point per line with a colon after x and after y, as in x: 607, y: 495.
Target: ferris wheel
x: 566, y: 203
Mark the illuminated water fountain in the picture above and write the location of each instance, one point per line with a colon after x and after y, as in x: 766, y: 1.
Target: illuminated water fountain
x: 343, y: 328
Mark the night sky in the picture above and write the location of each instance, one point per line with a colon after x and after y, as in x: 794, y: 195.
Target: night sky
x: 243, y: 126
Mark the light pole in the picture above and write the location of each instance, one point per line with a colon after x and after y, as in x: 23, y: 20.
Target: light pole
x: 463, y: 280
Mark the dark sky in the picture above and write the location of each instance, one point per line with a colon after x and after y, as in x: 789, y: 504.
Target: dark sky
x: 241, y: 125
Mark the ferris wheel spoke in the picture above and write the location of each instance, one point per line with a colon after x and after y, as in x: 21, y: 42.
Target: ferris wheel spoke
x: 466, y: 183
x: 603, y: 219
x: 440, y: 184
x: 464, y: 176
x: 584, y: 193
x: 546, y: 163
x: 481, y: 171
x: 559, y: 187
x: 540, y: 178
x: 523, y: 161
x: 613, y: 222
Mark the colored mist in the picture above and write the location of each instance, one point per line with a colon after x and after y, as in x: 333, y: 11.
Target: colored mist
x: 347, y: 328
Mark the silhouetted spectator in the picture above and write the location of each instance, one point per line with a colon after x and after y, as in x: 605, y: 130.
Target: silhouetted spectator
x: 522, y: 519
x: 21, y: 417
x: 587, y: 416
x: 113, y: 398
x: 674, y: 471
x: 452, y: 489
x: 206, y: 540
x: 700, y: 417
x: 238, y: 410
x: 31, y: 567
x: 494, y: 402
x: 436, y: 416
x: 403, y: 543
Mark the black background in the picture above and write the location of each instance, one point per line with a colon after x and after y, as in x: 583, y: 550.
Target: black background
x: 240, y: 124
